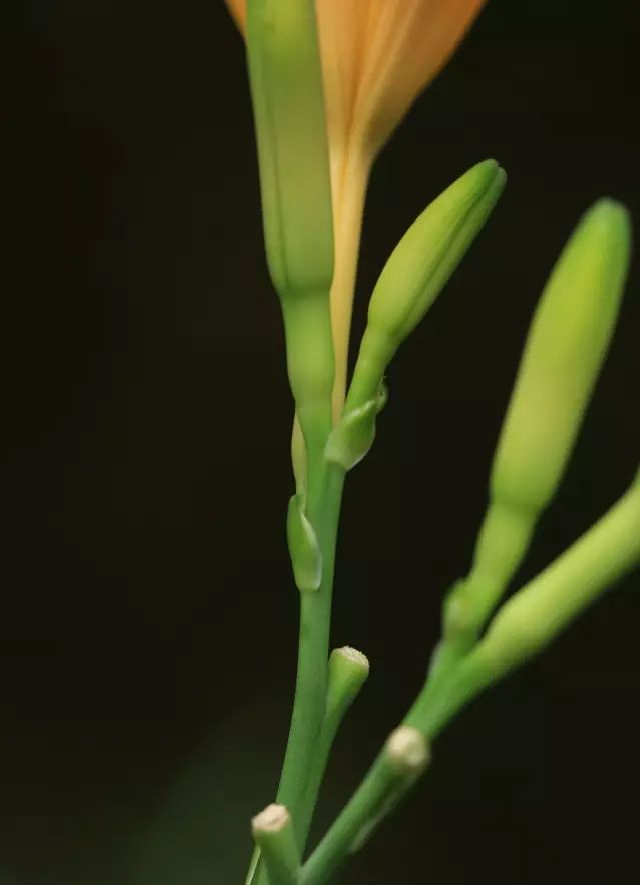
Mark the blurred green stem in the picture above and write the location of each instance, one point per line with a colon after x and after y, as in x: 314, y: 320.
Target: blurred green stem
x: 523, y: 627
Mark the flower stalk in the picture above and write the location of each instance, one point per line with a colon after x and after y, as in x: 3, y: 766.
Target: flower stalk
x: 273, y: 833
x: 287, y: 93
x: 404, y: 757
x: 330, y: 81
x: 525, y: 625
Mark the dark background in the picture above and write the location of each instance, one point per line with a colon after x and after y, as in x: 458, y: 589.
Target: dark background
x: 149, y: 621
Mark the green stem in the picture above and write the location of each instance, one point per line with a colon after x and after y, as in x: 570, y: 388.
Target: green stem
x: 301, y: 772
x: 378, y: 795
x: 373, y: 793
x: 399, y: 764
x: 447, y: 656
x: 273, y: 833
x: 521, y: 629
x: 338, y: 702
x: 311, y: 684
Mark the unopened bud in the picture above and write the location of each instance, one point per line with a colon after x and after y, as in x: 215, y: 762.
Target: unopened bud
x: 419, y: 267
x: 567, y: 343
x: 570, y: 333
x: 286, y: 87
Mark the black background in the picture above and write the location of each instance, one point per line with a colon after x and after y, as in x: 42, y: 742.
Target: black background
x: 149, y: 622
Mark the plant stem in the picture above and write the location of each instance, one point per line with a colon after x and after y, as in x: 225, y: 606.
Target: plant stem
x: 403, y: 758
x: 298, y: 788
x: 302, y: 772
x: 330, y: 853
x: 521, y: 629
x: 311, y: 685
x: 348, y: 670
x: 305, y: 760
x: 273, y: 832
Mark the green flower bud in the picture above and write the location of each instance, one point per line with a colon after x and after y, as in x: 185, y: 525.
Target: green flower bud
x: 569, y: 337
x: 286, y: 86
x: 418, y: 269
x: 567, y: 343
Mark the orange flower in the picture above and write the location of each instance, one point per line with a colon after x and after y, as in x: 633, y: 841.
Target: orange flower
x: 377, y: 56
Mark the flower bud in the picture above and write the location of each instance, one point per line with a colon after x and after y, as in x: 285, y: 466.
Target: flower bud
x: 286, y: 87
x: 418, y: 269
x: 567, y: 343
x: 570, y: 334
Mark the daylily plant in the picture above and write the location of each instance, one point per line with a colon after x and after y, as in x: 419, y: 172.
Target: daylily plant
x: 376, y: 57
x: 330, y: 81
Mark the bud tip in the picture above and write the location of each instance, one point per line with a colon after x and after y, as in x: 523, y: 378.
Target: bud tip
x: 491, y: 171
x: 610, y: 213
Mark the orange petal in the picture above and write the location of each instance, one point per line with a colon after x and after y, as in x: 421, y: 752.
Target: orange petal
x: 377, y: 56
x: 410, y: 42
x: 238, y: 9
